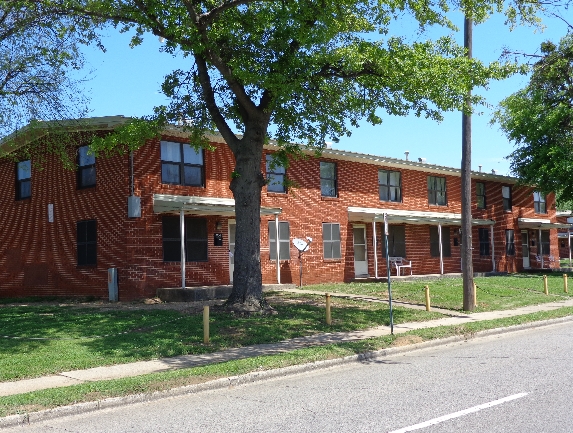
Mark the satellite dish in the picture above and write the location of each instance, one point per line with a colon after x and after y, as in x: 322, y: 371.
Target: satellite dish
x: 301, y: 244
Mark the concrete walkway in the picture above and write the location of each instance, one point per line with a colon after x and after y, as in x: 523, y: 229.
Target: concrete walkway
x: 185, y: 361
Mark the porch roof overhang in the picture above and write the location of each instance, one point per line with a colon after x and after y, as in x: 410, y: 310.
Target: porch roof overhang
x: 411, y: 217
x: 167, y: 203
x: 537, y: 223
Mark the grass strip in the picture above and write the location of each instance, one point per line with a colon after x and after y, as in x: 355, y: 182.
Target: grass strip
x: 51, y: 339
x: 50, y: 398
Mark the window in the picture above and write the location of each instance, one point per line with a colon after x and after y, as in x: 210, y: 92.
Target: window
x: 483, y: 242
x: 480, y: 195
x: 284, y: 240
x: 23, y: 180
x: 544, y: 242
x: 539, y: 202
x: 435, y: 242
x: 195, y: 239
x: 437, y: 190
x: 86, y: 167
x: 509, y: 243
x: 389, y: 186
x: 396, y: 241
x: 87, y: 242
x: 181, y: 164
x: 506, y: 194
x: 328, y: 179
x: 331, y: 240
x: 275, y: 175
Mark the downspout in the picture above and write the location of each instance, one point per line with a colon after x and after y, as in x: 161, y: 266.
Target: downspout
x: 182, y: 231
x: 441, y: 252
x: 132, y: 177
x: 376, y: 251
x: 278, y: 248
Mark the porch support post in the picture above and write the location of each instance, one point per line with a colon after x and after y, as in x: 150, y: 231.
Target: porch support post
x: 492, y: 248
x: 376, y: 250
x: 539, y: 248
x: 569, y: 244
x: 278, y: 248
x: 441, y: 251
x: 182, y: 231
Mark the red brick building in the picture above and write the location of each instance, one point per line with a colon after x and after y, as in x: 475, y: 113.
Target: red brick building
x: 63, y: 229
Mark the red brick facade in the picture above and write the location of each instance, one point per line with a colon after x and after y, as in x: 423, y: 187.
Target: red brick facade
x: 39, y: 258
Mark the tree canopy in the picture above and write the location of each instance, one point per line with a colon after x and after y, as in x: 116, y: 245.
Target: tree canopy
x: 39, y: 49
x: 539, y: 120
x: 299, y: 71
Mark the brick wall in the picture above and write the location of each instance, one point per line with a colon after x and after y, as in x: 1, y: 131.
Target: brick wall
x: 39, y: 258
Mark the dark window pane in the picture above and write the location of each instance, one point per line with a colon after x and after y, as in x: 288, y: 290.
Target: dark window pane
x: 328, y: 188
x: 25, y: 189
x: 85, y: 156
x: 171, y: 251
x: 171, y: 227
x: 170, y: 151
x: 91, y: 234
x: 24, y: 170
x: 86, y: 236
x: 196, y: 251
x: 196, y: 228
x: 192, y: 156
x: 193, y: 176
x: 88, y: 176
x: 170, y: 173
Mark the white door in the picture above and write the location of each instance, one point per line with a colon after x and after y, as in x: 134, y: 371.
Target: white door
x: 232, y: 229
x: 360, y: 263
x: 525, y: 248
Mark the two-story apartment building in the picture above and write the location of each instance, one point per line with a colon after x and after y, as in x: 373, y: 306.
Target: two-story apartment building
x: 63, y: 229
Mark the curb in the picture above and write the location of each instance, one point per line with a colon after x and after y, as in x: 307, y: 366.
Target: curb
x: 79, y: 408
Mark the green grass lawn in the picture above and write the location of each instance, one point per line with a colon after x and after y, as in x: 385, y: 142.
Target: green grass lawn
x: 493, y: 293
x: 45, y: 339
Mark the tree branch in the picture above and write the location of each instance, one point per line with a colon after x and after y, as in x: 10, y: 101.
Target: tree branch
x: 209, y: 96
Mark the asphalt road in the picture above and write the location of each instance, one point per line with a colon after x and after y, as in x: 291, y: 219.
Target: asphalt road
x: 517, y: 382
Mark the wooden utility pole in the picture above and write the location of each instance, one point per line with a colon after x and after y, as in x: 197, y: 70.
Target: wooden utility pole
x: 467, y: 263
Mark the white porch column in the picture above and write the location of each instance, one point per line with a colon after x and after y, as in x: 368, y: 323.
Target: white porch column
x: 277, y: 248
x: 376, y: 250
x: 441, y: 251
x: 492, y: 249
x: 569, y: 244
x: 539, y: 248
x: 182, y: 231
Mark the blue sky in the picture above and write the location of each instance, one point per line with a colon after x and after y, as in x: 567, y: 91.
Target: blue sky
x: 127, y: 81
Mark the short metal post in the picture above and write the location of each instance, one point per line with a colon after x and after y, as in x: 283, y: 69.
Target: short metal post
x: 545, y: 289
x: 206, y: 324
x: 427, y: 292
x: 565, y: 283
x: 475, y: 295
x: 328, y: 317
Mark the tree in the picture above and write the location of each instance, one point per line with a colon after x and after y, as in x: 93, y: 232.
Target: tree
x: 308, y: 69
x: 539, y: 120
x: 39, y: 47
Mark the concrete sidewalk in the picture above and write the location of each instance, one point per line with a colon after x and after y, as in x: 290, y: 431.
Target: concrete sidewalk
x: 185, y: 361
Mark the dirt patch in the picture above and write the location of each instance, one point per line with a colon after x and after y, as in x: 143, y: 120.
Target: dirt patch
x: 406, y: 340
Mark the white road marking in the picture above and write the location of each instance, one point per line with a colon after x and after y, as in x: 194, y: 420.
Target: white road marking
x: 460, y: 413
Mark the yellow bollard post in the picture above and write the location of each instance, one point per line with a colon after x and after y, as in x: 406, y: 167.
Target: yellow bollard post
x: 565, y: 288
x: 475, y: 295
x: 545, y: 289
x: 206, y: 324
x: 328, y: 317
x: 427, y: 290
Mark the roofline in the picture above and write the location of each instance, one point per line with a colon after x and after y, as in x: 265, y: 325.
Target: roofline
x: 107, y: 123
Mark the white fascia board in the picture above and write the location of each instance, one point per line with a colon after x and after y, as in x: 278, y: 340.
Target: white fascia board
x: 167, y: 203
x: 410, y: 217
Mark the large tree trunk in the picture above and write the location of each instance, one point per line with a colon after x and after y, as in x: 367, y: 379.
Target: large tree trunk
x: 247, y: 182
